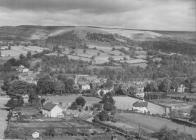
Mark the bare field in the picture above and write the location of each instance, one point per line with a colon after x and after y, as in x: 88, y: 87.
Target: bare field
x: 153, y: 123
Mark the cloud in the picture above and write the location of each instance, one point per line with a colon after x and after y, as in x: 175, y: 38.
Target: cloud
x: 94, y: 6
x: 142, y: 14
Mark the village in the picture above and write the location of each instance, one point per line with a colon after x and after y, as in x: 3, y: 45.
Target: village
x: 97, y: 109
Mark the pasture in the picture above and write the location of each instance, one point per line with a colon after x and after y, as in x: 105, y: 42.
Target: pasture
x: 126, y: 103
x: 17, y: 50
x: 153, y: 123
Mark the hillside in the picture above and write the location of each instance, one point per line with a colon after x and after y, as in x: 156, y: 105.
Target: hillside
x: 102, y: 45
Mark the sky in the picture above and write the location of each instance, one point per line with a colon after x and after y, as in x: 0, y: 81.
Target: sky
x: 135, y: 14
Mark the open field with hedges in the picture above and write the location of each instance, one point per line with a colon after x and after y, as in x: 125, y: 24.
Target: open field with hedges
x: 153, y: 123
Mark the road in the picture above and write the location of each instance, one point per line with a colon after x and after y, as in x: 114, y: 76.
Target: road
x: 3, y: 115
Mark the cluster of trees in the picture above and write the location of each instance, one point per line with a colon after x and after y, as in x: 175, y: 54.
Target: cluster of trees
x: 166, y: 134
x: 23, y: 60
x: 193, y: 114
x: 169, y: 45
x: 109, y: 109
x: 66, y: 39
x: 79, y: 102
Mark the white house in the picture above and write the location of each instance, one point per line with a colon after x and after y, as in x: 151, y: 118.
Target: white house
x: 85, y: 87
x: 140, y: 106
x: 181, y: 88
x: 52, y: 110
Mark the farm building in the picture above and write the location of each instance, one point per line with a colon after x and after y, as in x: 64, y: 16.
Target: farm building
x: 52, y: 110
x: 140, y: 106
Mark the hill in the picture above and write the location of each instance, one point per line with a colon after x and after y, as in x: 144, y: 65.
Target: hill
x: 102, y: 45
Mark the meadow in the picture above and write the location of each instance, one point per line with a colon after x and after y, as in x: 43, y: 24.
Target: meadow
x: 153, y: 123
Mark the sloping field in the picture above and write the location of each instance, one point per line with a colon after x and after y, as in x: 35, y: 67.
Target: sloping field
x: 153, y: 123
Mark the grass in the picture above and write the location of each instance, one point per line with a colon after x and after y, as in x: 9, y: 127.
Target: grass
x: 126, y: 103
x: 153, y: 123
x: 17, y: 50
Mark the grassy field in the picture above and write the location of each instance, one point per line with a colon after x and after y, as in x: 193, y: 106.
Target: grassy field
x: 17, y: 50
x: 3, y: 116
x: 153, y: 123
x: 126, y: 103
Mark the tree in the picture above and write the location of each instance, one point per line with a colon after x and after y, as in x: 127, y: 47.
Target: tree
x: 193, y: 114
x: 45, y: 85
x: 18, y: 87
x: 107, y: 98
x: 108, y: 106
x: 131, y: 90
x: 108, y: 84
x: 151, y: 87
x: 68, y: 83
x: 165, y: 85
x: 21, y: 57
x: 103, y: 116
x: 80, y: 101
x: 59, y: 87
x: 29, y: 55
x: 15, y: 101
x: 74, y: 106
x: 50, y: 131
x: 166, y: 134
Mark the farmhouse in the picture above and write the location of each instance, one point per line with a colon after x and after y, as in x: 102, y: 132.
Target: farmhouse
x: 140, y: 106
x: 52, y: 110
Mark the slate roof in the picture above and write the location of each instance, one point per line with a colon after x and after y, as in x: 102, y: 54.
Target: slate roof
x: 49, y: 106
x: 140, y: 104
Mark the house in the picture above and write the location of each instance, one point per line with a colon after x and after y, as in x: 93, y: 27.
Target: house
x: 140, y: 106
x: 22, y: 69
x: 85, y: 87
x: 181, y: 88
x: 52, y: 110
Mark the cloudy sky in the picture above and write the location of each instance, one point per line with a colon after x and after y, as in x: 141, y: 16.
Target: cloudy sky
x: 140, y: 14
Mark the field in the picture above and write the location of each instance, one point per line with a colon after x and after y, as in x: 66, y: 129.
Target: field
x: 3, y: 116
x: 125, y: 103
x: 17, y: 50
x: 153, y: 123
x: 70, y: 98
